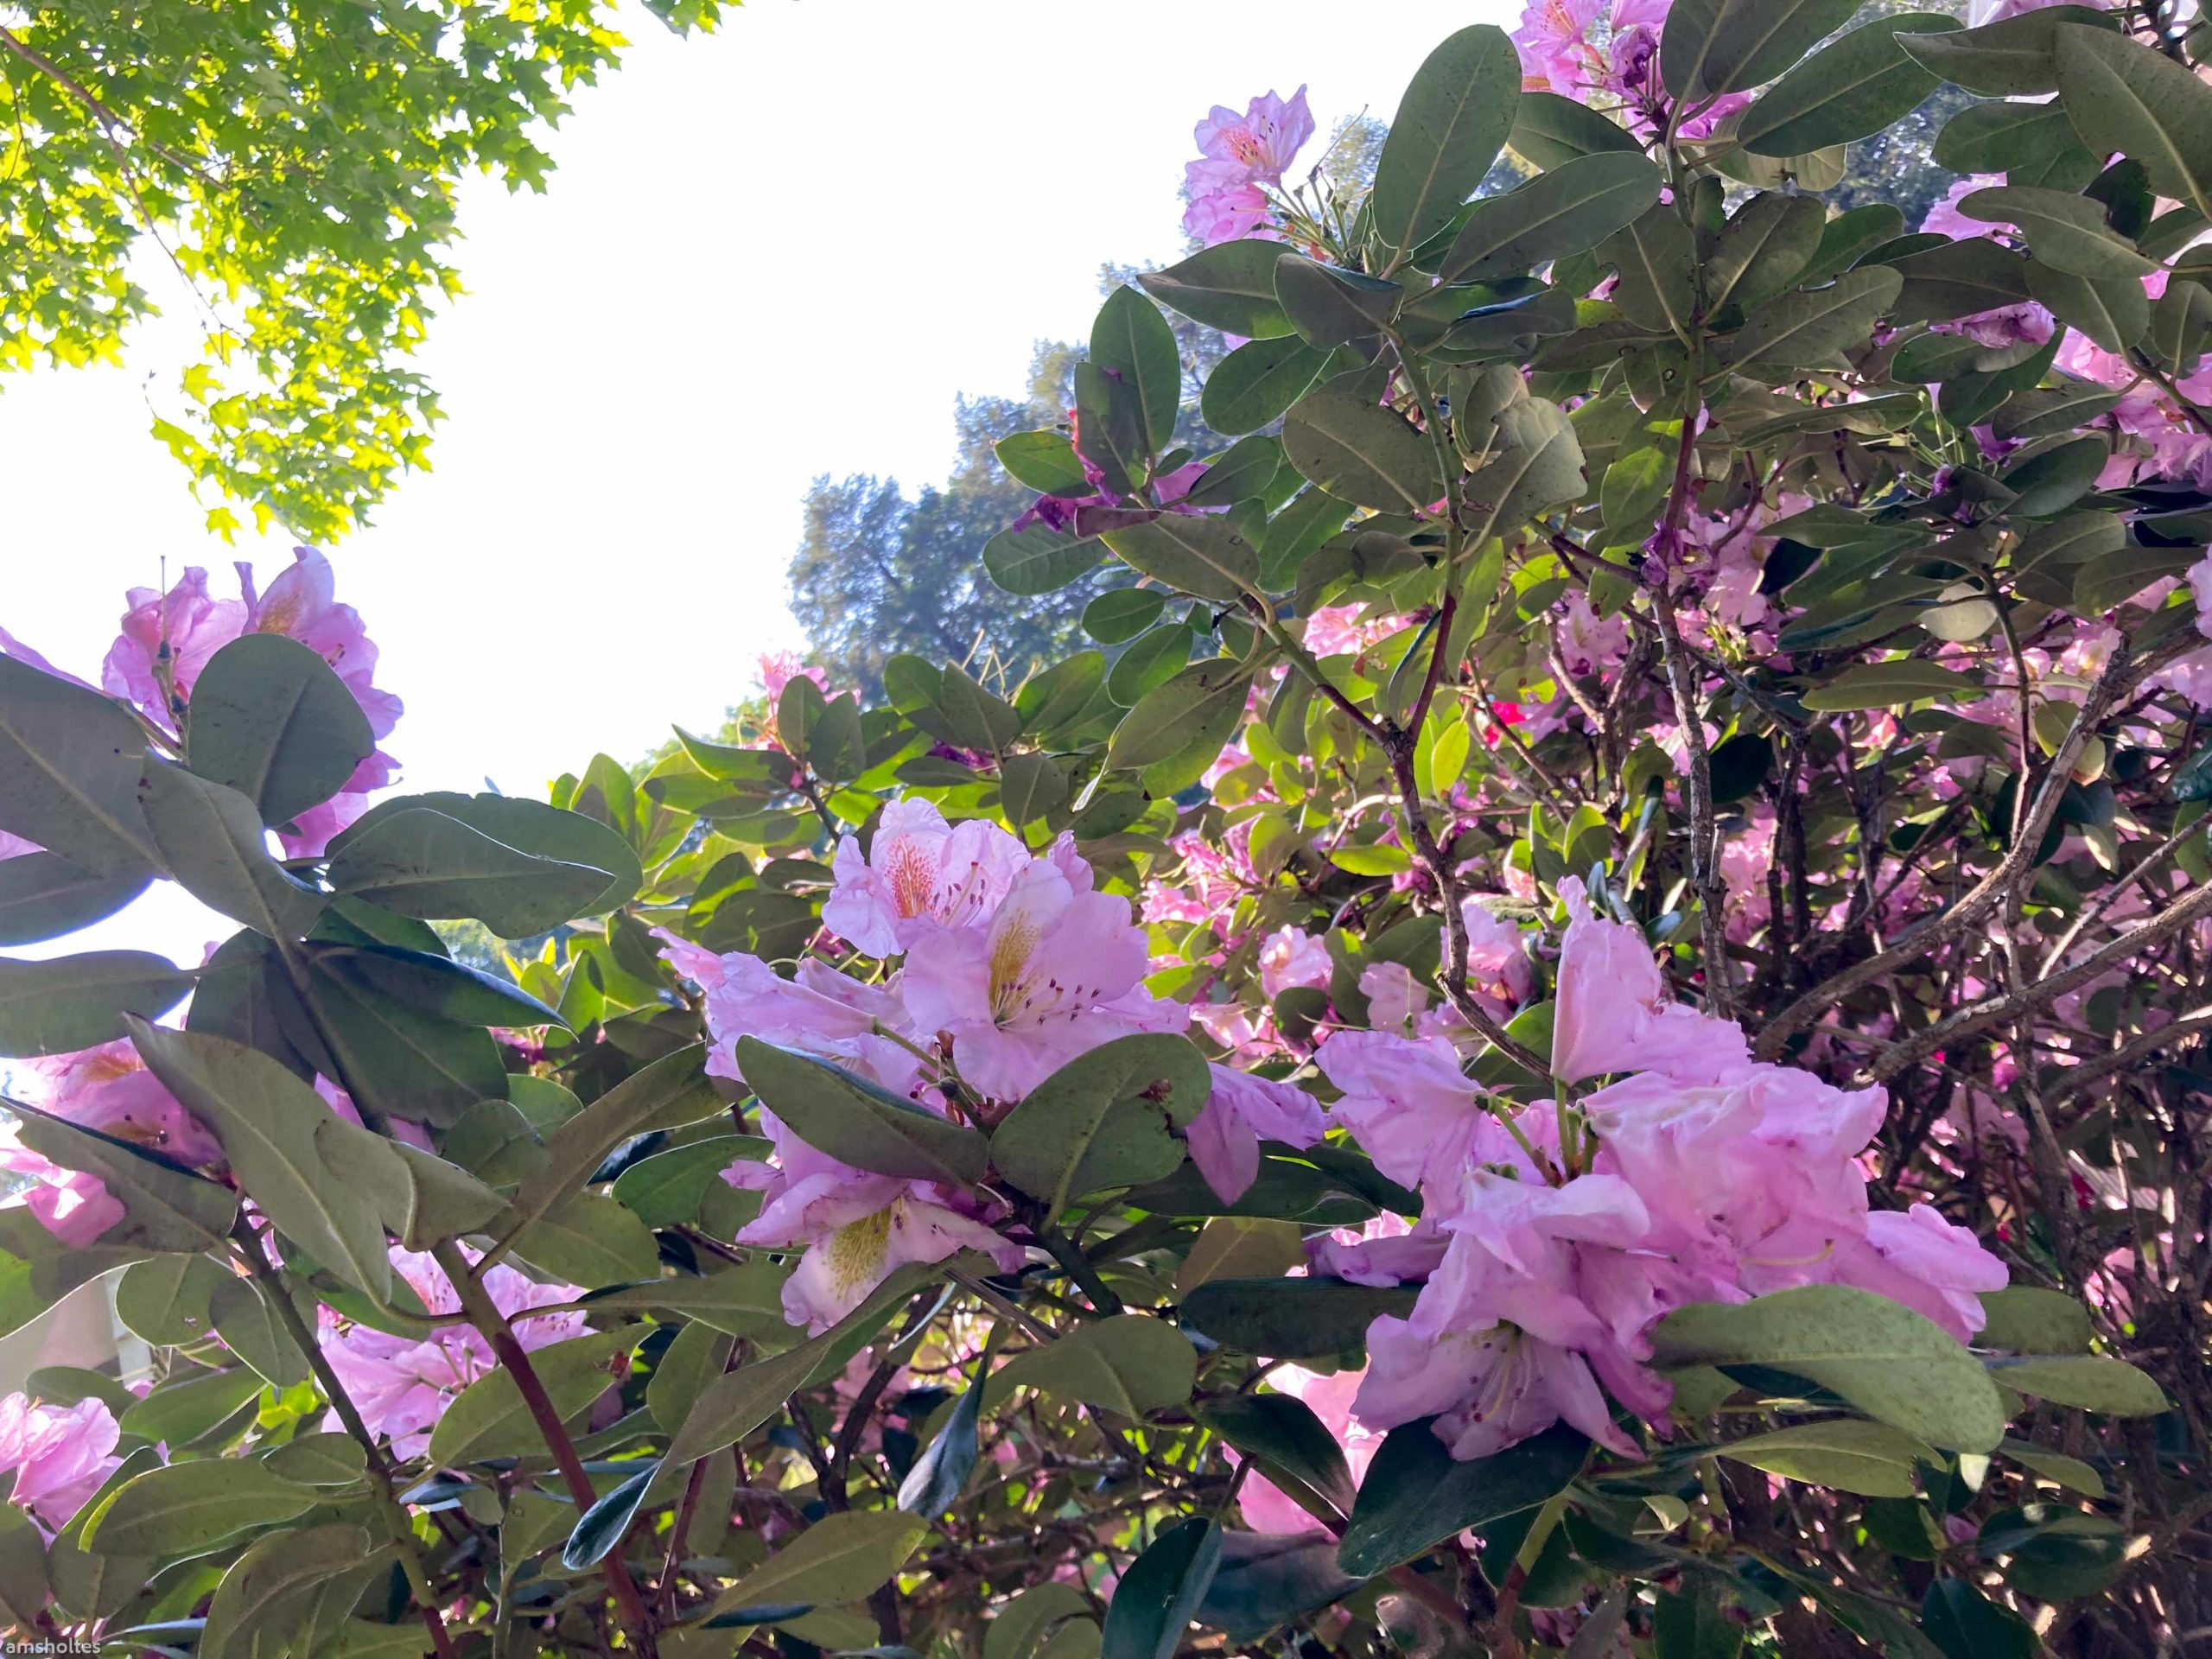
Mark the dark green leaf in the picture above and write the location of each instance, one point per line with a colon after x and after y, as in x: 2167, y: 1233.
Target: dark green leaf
x: 1160, y: 1594
x: 1806, y: 328
x: 43, y: 896
x: 1229, y: 286
x: 1966, y: 1624
x: 1331, y: 307
x: 1690, y: 1624
x: 1858, y: 85
x: 601, y: 1527
x: 269, y: 719
x: 2125, y: 96
x: 214, y: 844
x: 1549, y: 130
x: 1039, y: 559
x: 550, y: 832
x: 1289, y: 1319
x: 69, y: 766
x: 1255, y: 384
x: 423, y: 863
x: 1205, y: 700
x: 65, y: 1004
x: 1045, y: 461
x: 1415, y: 1494
x: 1132, y: 341
x: 934, y: 1484
x: 1199, y: 555
x: 858, y: 1122
x: 489, y: 1418
x: 188, y: 1508
x: 1104, y: 1119
x: 1449, y: 127
x: 2014, y: 58
x: 1572, y: 207
x: 267, y: 1121
x: 1265, y: 1580
x: 1357, y: 450
x: 1730, y: 46
x: 1291, y: 1446
x: 2067, y: 233
x: 1130, y: 1363
x: 1894, y: 1364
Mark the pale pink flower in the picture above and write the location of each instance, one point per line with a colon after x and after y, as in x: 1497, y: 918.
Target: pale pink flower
x: 1918, y: 1258
x: 1238, y: 154
x: 920, y: 873
x: 60, y: 1455
x: 1557, y: 53
x: 856, y: 1229
x: 1614, y: 1013
x: 403, y: 1385
x: 1419, y: 1116
x: 1055, y: 971
x: 1289, y: 957
x: 107, y: 1089
x: 1488, y: 1389
x: 1241, y: 1111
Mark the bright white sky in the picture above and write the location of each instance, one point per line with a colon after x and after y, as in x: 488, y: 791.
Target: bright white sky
x: 774, y: 252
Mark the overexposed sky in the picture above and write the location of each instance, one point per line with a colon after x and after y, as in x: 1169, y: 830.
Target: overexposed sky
x: 771, y: 253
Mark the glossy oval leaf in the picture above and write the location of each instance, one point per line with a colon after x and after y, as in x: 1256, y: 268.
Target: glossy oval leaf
x: 271, y: 719
x: 65, y: 1004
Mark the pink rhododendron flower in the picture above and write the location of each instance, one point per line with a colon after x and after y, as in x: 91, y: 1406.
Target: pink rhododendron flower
x: 856, y: 1229
x: 1418, y: 1115
x: 107, y: 1089
x: 1557, y: 53
x: 1488, y: 1389
x: 403, y: 1385
x: 1614, y: 1013
x: 1289, y: 957
x: 1241, y: 1111
x: 1055, y: 971
x: 167, y: 639
x: 1238, y: 154
x: 1943, y: 217
x: 1715, y: 1178
x: 920, y: 874
x: 60, y: 1455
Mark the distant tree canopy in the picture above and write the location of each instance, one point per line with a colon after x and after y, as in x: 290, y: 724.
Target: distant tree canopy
x: 879, y: 572
x: 297, y: 163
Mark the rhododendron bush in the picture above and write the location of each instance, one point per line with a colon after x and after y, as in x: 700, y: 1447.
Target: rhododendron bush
x: 1584, y: 1033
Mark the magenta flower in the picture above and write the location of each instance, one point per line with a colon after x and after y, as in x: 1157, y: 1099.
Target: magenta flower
x: 404, y: 1384
x: 60, y: 1455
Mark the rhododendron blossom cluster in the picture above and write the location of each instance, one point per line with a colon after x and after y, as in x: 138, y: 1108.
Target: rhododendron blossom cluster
x: 1585, y: 1032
